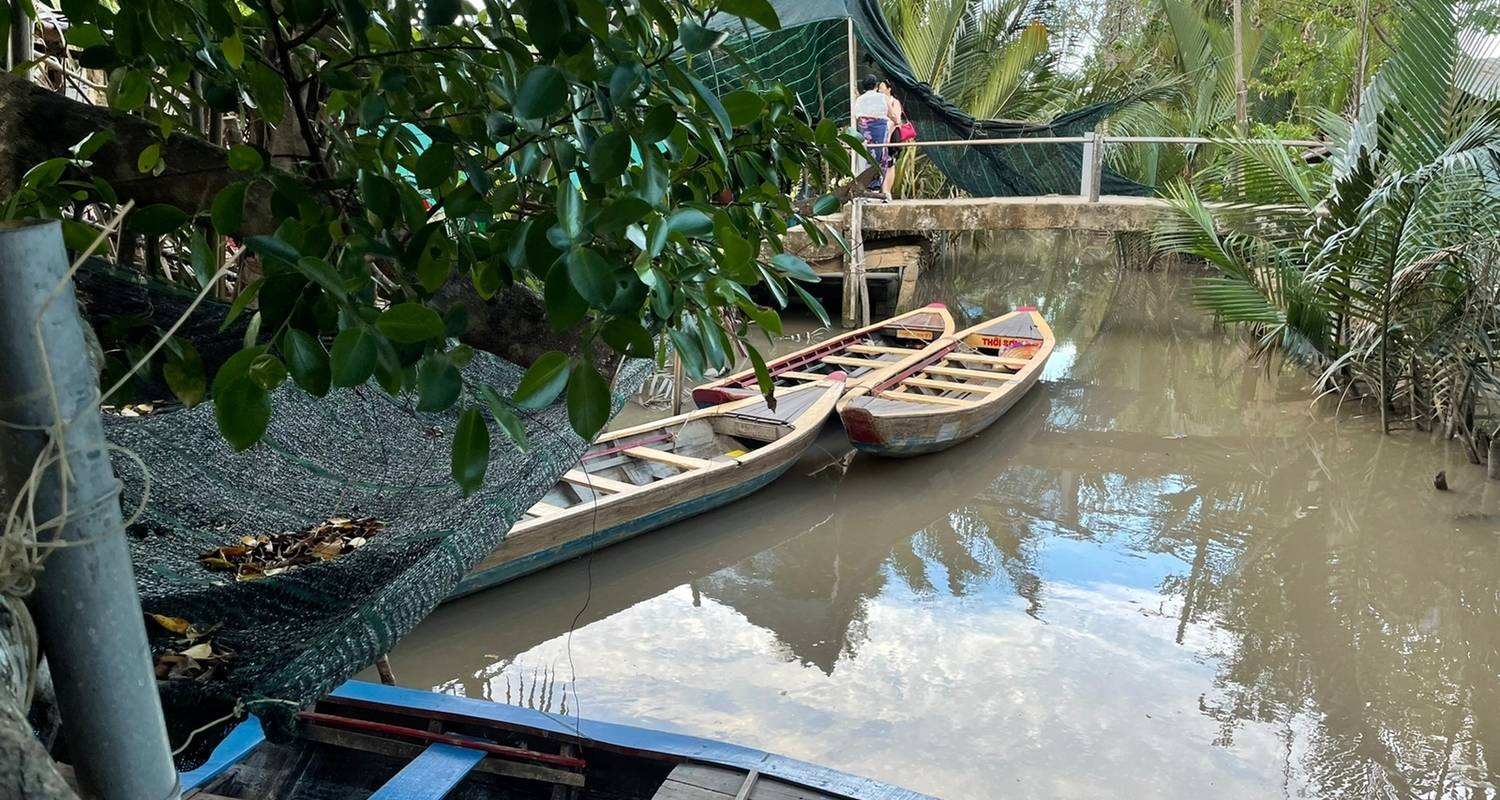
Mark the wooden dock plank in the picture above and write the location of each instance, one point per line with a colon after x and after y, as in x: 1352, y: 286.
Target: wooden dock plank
x: 598, y: 482
x: 431, y: 775
x: 955, y: 372
x: 667, y: 457
x: 950, y: 386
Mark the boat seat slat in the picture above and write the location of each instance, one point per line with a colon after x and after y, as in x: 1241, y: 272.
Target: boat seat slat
x: 981, y: 374
x: 980, y: 358
x: 666, y: 457
x: 431, y: 775
x: 541, y: 509
x: 922, y: 398
x: 950, y: 386
x: 880, y: 349
x: 846, y: 361
x: 801, y: 376
x: 597, y: 482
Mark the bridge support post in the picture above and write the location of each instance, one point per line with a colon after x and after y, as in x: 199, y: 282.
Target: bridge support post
x: 1086, y: 170
x: 856, y: 291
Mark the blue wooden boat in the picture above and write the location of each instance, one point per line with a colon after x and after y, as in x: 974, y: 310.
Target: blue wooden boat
x: 387, y: 743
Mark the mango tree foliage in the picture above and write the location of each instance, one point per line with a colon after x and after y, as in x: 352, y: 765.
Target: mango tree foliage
x: 408, y: 148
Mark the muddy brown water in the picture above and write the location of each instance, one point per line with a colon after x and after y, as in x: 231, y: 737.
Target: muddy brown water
x: 1164, y: 574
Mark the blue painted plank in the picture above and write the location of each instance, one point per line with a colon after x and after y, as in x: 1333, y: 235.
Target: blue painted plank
x: 235, y: 746
x: 714, y: 752
x: 432, y: 775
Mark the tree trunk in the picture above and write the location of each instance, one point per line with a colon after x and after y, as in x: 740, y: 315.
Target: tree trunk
x: 26, y: 769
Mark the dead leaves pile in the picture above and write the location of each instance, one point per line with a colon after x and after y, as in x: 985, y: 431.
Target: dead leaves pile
x: 194, y: 660
x: 132, y: 410
x: 268, y: 555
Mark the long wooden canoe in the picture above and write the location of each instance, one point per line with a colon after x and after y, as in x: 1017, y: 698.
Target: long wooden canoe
x: 953, y: 393
x: 641, y: 478
x: 864, y: 355
x: 388, y: 743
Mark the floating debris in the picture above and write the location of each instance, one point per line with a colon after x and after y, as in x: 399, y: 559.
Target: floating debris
x: 269, y: 555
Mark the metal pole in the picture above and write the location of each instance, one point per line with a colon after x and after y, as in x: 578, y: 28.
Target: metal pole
x: 853, y: 89
x: 1241, y: 111
x: 1096, y: 171
x: 85, y: 605
x: 21, y: 48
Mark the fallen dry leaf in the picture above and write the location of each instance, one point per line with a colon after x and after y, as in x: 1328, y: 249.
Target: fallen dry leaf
x: 176, y: 625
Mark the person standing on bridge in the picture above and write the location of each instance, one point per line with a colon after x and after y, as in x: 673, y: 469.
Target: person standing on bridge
x: 872, y: 118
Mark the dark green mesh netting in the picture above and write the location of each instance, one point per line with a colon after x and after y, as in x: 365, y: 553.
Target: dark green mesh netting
x: 357, y: 452
x: 810, y: 54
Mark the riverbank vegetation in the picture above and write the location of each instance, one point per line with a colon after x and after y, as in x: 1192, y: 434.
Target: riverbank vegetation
x: 1379, y: 270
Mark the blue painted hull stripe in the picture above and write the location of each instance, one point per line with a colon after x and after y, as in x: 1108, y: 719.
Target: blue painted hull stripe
x: 619, y: 533
x: 674, y: 744
x: 235, y: 746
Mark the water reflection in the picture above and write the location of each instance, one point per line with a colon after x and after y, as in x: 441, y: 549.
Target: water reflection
x: 1161, y: 573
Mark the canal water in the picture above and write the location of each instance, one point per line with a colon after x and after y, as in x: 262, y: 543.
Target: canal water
x: 1166, y: 573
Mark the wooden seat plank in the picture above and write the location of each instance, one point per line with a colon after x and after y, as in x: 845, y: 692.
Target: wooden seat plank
x: 667, y: 457
x: 598, y: 482
x: 880, y: 349
x: 846, y: 361
x: 922, y: 398
x: 431, y: 775
x: 980, y: 358
x: 955, y: 372
x: 542, y: 509
x: 800, y: 376
x: 950, y: 386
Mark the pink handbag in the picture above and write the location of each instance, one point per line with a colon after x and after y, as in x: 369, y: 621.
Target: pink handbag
x: 907, y: 132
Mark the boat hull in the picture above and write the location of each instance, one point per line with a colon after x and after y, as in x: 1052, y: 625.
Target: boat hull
x: 909, y: 436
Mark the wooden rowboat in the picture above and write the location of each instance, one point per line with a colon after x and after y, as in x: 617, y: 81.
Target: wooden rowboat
x: 389, y: 743
x: 863, y: 355
x: 641, y: 478
x: 952, y: 394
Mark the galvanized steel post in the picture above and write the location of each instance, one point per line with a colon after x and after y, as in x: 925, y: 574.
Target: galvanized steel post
x: 85, y: 605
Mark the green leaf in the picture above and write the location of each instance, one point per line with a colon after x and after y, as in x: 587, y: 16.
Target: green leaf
x: 690, y: 222
x: 826, y: 204
x: 372, y: 110
x: 588, y: 401
x: 97, y: 56
x: 182, y: 369
x: 768, y: 320
x: 543, y: 91
x: 570, y: 210
x: 439, y: 13
x: 743, y: 106
x: 794, y: 267
x: 506, y: 418
x: 233, y: 49
x: 267, y: 90
x: 46, y: 174
x: 620, y: 214
x: 688, y: 349
x: 624, y: 80
x: 760, y: 11
x: 241, y: 407
x: 609, y: 156
x: 592, y: 276
x: 471, y: 451
x: 244, y: 158
x: 157, y: 219
x: 434, y: 166
x: 658, y: 123
x: 148, y: 159
x: 543, y: 382
x: 811, y: 303
x: 438, y: 383
x: 90, y: 145
x: 228, y: 212
x: 697, y: 39
x: 713, y: 103
x: 132, y: 90
x: 627, y: 336
x: 762, y: 375
x: 565, y: 306
x: 307, y: 360
x: 323, y: 274
x: 410, y: 323
x: 267, y: 371
x: 275, y: 248
x: 352, y: 360
x: 241, y: 302
x: 380, y: 196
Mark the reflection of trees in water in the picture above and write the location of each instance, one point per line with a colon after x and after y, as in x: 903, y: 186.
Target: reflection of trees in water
x: 1336, y: 605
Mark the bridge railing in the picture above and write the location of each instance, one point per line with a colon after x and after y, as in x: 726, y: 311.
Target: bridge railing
x: 1093, y: 149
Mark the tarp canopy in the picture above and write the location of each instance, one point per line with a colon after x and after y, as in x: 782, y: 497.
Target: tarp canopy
x: 810, y: 54
x: 355, y: 453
